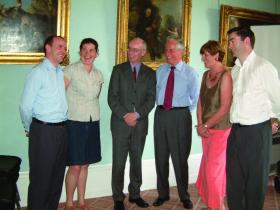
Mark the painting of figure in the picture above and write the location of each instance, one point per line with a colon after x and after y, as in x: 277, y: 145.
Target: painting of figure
x: 24, y: 25
x: 154, y: 21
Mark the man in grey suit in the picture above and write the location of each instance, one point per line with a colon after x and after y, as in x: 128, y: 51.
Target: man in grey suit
x: 131, y: 97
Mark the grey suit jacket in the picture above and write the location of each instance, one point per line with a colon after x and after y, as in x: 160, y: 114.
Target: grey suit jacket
x: 125, y: 96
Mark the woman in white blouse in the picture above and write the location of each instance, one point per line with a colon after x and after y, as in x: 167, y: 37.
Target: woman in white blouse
x: 83, y: 85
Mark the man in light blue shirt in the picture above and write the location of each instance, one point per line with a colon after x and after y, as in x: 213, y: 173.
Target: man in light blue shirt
x: 177, y: 93
x: 43, y: 110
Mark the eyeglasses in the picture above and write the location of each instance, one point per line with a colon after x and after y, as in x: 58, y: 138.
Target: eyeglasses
x: 134, y: 50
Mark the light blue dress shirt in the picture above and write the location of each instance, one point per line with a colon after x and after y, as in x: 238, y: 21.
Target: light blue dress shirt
x: 186, y: 85
x: 44, y: 95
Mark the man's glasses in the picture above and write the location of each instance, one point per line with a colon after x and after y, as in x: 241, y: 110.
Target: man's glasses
x: 134, y: 50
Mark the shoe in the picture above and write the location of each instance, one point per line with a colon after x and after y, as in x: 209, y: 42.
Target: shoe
x: 159, y: 201
x: 119, y: 205
x: 69, y: 208
x: 187, y: 204
x: 277, y: 184
x: 83, y: 207
x: 139, y: 202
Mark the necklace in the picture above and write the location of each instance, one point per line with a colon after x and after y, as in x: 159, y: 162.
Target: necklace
x: 213, y: 77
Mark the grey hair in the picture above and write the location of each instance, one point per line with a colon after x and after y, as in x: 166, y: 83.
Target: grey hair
x: 140, y: 40
x: 180, y: 44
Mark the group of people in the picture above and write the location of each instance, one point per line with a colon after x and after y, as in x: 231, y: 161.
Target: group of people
x: 60, y: 113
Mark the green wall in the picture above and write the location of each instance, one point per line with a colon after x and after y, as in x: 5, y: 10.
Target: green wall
x: 97, y: 19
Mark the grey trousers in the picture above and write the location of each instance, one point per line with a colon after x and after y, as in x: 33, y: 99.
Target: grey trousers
x: 130, y: 143
x: 172, y: 137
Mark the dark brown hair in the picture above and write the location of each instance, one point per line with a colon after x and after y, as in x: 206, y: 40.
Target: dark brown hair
x: 244, y: 32
x: 49, y: 41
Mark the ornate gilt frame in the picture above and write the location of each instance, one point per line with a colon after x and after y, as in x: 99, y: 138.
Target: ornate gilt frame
x: 35, y: 57
x: 227, y: 12
x: 122, y: 31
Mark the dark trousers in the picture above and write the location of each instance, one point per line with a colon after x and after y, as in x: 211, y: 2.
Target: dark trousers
x: 127, y: 143
x: 247, y: 167
x: 172, y: 136
x: 47, y: 162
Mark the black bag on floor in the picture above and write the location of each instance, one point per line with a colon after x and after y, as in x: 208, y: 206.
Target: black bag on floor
x: 9, y: 172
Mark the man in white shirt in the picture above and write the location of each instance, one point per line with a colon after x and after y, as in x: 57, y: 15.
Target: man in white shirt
x: 256, y: 100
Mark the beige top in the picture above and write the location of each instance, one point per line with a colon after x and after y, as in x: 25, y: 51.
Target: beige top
x: 83, y: 92
x: 210, y: 102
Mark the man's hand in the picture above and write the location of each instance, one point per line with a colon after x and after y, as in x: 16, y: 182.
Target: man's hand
x: 130, y: 119
x: 275, y: 127
x: 27, y: 134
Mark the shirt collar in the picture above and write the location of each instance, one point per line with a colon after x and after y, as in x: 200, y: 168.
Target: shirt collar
x: 249, y: 58
x: 49, y: 65
x: 137, y: 66
x: 178, y: 66
x: 82, y: 66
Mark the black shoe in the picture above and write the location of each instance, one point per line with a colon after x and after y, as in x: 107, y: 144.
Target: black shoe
x: 139, y: 202
x: 187, y: 204
x: 159, y: 201
x: 277, y: 184
x: 119, y: 205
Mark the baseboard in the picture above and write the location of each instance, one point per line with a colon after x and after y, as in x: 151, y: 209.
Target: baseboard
x: 99, y: 178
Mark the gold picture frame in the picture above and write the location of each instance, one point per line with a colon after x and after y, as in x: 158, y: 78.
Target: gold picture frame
x: 26, y: 18
x: 234, y: 16
x: 129, y: 13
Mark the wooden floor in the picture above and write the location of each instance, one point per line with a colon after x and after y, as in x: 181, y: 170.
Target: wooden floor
x: 272, y: 200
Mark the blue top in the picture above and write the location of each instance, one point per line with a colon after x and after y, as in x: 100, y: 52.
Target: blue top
x: 186, y: 85
x: 44, y: 95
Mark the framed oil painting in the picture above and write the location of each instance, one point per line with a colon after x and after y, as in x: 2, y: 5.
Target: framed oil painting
x: 234, y: 16
x: 24, y: 26
x: 153, y: 21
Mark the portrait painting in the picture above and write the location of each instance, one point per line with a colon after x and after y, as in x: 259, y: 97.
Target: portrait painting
x: 231, y: 17
x: 153, y: 21
x: 24, y: 26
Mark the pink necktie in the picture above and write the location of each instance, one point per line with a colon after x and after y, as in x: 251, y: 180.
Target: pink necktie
x: 167, y: 104
x: 134, y: 74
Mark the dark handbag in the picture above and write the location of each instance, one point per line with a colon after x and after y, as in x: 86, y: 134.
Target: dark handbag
x: 9, y: 173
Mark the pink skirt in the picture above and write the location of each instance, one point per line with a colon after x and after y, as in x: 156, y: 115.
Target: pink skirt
x: 211, y: 181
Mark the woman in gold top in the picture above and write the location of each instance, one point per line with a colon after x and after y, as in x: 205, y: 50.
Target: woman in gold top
x: 83, y: 85
x: 213, y: 125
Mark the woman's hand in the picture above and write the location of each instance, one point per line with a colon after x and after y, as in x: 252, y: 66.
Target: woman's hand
x: 202, y: 130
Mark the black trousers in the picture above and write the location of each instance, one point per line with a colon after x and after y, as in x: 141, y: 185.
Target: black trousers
x: 172, y: 137
x: 47, y: 162
x: 247, y: 167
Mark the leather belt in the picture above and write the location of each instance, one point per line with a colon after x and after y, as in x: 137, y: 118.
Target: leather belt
x: 63, y: 123
x: 173, y: 108
x: 239, y: 125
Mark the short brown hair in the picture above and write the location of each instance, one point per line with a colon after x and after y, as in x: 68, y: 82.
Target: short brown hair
x: 49, y: 41
x: 213, y: 47
x: 244, y: 32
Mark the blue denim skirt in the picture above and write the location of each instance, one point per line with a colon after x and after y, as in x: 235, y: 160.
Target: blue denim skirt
x: 84, y: 143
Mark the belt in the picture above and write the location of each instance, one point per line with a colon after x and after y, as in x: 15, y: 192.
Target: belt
x: 239, y: 125
x: 63, y: 123
x: 173, y: 108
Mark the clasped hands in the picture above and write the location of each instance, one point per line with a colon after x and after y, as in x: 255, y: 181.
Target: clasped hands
x: 130, y: 118
x: 202, y: 130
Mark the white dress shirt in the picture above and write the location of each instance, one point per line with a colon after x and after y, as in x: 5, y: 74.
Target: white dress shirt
x: 256, y: 91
